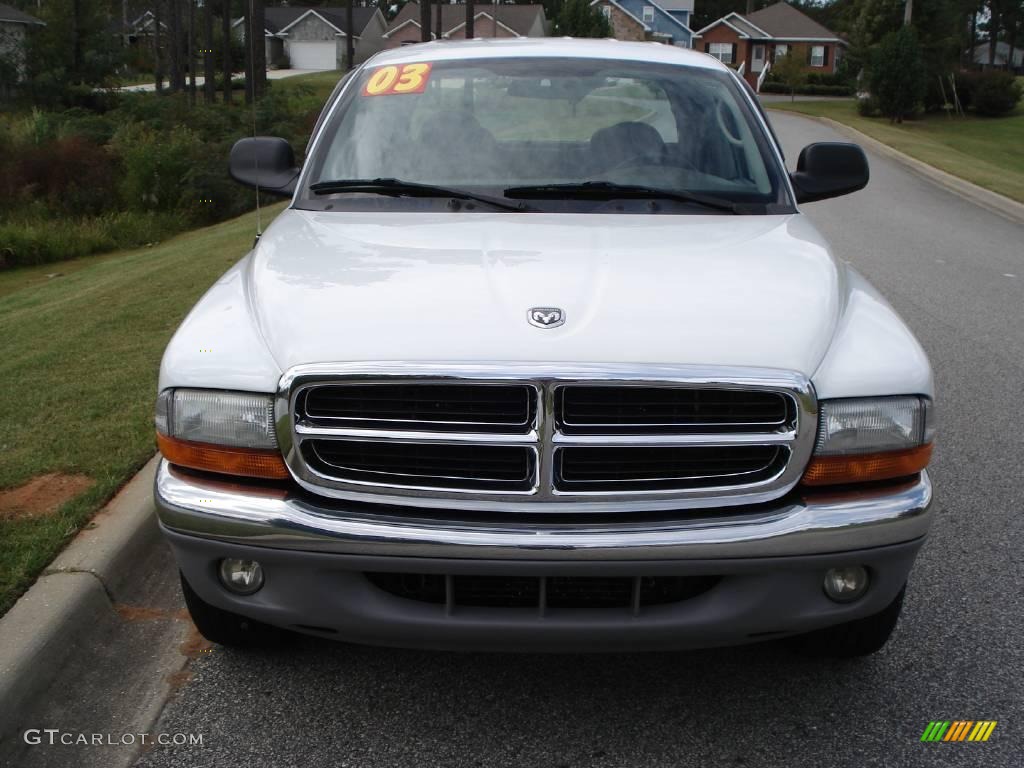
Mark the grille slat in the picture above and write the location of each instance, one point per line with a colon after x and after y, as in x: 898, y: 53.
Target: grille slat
x: 424, y: 406
x: 591, y: 409
x: 607, y: 468
x: 482, y: 467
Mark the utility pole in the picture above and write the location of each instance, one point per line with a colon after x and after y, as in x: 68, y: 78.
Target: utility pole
x: 469, y: 18
x: 350, y: 46
x: 425, y: 21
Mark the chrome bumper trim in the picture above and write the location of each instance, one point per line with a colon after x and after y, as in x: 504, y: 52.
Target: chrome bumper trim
x: 233, y: 512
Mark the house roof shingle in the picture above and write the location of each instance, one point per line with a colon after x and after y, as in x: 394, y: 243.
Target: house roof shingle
x: 14, y: 16
x: 784, y: 21
x: 519, y: 18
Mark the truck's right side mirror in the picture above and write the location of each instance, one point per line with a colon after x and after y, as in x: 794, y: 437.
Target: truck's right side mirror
x: 264, y: 162
x: 829, y: 169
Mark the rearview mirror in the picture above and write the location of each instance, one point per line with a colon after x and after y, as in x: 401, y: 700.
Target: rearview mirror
x: 264, y: 162
x: 829, y: 169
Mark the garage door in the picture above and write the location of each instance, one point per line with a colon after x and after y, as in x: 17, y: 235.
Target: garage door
x: 312, y: 55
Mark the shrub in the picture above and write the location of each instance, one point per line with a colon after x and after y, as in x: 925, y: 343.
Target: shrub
x: 867, y: 106
x: 72, y: 174
x: 24, y: 243
x: 995, y: 93
x: 807, y: 90
x: 898, y: 75
x: 156, y: 166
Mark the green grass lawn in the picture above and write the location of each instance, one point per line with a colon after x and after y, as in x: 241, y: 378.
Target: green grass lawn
x: 988, y: 151
x: 81, y: 353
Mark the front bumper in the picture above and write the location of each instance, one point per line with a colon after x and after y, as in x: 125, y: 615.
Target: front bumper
x: 770, y: 562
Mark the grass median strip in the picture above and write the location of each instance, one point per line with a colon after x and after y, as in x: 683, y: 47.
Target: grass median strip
x: 81, y: 353
x: 982, y: 150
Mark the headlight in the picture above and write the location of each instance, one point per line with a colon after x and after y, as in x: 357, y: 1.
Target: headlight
x: 871, y: 438
x: 218, y: 431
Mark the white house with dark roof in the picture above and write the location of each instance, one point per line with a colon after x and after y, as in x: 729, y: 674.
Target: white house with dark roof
x: 315, y: 38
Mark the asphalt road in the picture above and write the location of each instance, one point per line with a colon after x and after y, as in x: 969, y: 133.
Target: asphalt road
x: 956, y: 273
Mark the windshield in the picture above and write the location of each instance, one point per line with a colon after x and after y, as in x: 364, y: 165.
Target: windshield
x: 642, y: 137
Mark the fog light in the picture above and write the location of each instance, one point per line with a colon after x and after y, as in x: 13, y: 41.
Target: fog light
x: 243, y: 577
x: 846, y: 584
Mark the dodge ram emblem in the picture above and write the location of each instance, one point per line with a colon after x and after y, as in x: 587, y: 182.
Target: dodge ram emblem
x: 546, y: 317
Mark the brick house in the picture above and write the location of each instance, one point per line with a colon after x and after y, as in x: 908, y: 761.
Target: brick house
x: 489, y: 20
x: 755, y: 40
x: 663, y: 21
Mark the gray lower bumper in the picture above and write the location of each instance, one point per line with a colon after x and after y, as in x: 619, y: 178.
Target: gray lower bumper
x: 769, y: 563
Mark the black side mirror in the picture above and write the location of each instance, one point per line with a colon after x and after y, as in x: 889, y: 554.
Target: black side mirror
x: 829, y: 169
x: 264, y: 162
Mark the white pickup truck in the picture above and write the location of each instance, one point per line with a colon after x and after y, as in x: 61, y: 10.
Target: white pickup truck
x: 543, y: 355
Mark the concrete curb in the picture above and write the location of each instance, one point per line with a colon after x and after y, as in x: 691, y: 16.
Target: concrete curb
x: 987, y: 199
x: 39, y: 635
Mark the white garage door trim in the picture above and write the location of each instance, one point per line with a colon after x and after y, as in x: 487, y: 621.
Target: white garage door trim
x: 312, y: 55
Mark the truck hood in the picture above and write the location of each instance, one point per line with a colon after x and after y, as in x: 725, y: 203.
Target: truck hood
x: 456, y: 287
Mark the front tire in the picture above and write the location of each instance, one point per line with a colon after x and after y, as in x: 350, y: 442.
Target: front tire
x: 860, y: 637
x: 227, y: 628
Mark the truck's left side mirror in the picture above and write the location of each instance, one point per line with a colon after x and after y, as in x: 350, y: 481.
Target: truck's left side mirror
x: 264, y: 162
x: 829, y: 169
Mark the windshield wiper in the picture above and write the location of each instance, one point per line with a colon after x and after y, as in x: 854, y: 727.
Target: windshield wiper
x: 609, y: 190
x: 399, y: 188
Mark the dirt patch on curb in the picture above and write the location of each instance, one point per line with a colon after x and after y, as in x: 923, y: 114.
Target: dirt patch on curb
x: 41, y: 496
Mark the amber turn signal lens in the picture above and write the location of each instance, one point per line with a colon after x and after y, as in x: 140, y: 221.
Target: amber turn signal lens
x: 865, y: 467
x: 246, y: 462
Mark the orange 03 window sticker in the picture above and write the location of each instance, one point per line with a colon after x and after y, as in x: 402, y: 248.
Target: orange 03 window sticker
x: 392, y: 80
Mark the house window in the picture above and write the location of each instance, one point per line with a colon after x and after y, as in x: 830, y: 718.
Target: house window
x: 817, y: 55
x: 721, y: 51
x: 780, y: 51
x: 648, y: 14
x: 606, y: 11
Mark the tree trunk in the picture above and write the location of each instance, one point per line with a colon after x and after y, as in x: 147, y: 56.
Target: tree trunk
x: 259, y: 50
x: 225, y: 23
x: 350, y: 42
x: 158, y: 61
x: 209, y: 66
x: 247, y: 26
x: 424, y: 20
x: 908, y: 12
x: 993, y: 32
x: 190, y: 49
x: 175, y: 52
x: 438, y: 22
x: 470, y: 12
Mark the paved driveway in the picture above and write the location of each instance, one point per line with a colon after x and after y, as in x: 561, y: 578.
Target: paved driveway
x: 956, y: 272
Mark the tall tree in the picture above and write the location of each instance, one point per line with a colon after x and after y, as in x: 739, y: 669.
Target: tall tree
x: 259, y: 50
x: 438, y: 22
x: 191, y: 51
x: 249, y: 58
x: 177, y: 82
x: 350, y: 47
x: 424, y: 20
x: 209, y: 67
x: 225, y: 25
x: 158, y: 56
x: 470, y: 12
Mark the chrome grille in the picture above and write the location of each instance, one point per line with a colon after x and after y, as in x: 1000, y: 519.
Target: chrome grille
x: 538, y: 438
